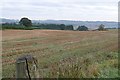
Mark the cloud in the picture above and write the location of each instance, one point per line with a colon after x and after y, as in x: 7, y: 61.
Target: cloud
x: 61, y: 9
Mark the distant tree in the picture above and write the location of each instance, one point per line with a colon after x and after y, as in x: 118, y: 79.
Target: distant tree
x: 62, y: 26
x: 69, y: 27
x: 53, y: 26
x: 82, y: 28
x: 101, y: 27
x: 26, y: 22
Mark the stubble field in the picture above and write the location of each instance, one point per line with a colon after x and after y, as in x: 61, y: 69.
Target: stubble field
x: 63, y: 54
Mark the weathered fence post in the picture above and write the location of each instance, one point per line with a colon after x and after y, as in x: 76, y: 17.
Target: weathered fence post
x: 26, y: 67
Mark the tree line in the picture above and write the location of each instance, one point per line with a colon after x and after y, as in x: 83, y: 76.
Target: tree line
x: 27, y: 24
x: 53, y: 26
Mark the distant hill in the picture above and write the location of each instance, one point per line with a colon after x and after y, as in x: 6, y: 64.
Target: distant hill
x: 89, y: 24
x: 3, y: 20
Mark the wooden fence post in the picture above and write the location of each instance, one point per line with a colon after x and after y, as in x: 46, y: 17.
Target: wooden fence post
x: 26, y: 67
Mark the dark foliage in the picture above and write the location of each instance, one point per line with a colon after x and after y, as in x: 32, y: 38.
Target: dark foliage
x: 82, y: 28
x: 37, y: 26
x: 69, y: 27
x: 101, y: 28
x: 53, y: 26
x: 15, y: 26
x: 26, y: 22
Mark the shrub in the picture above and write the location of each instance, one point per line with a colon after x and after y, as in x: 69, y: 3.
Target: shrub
x: 82, y: 28
x: 101, y: 27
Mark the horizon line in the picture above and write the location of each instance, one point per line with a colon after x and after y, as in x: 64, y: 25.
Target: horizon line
x: 65, y: 20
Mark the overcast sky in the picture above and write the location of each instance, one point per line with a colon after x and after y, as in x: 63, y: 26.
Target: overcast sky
x: 84, y: 10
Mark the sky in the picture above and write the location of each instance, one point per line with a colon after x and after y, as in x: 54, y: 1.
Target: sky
x: 78, y: 10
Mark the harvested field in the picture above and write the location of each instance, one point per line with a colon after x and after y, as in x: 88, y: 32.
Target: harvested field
x: 72, y: 54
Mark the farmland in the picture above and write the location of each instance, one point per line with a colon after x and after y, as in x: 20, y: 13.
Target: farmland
x: 64, y: 54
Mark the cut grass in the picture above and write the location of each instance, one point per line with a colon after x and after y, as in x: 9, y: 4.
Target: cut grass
x: 63, y: 54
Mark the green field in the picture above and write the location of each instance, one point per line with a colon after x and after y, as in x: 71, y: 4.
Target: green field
x: 63, y: 54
